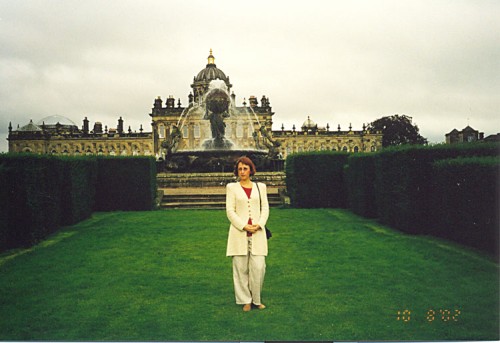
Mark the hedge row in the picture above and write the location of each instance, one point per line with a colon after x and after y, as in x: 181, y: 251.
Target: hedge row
x: 316, y: 179
x: 39, y: 194
x: 398, y: 186
x: 466, y: 202
x: 79, y: 175
x: 404, y: 186
x: 33, y: 198
x: 360, y: 179
x: 126, y: 183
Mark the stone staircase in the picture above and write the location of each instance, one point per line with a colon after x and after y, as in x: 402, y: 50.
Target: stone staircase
x: 207, y: 198
x: 208, y: 190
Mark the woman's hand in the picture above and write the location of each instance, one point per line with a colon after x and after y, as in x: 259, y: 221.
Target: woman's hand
x: 252, y: 228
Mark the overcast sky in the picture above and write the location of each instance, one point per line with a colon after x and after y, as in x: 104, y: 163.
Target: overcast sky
x: 338, y: 62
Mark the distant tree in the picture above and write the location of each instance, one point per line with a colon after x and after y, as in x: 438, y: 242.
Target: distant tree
x: 397, y: 130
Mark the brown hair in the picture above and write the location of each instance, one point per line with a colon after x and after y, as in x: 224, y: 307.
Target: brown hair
x: 248, y: 162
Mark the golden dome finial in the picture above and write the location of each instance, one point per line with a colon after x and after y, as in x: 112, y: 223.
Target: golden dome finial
x: 211, y: 58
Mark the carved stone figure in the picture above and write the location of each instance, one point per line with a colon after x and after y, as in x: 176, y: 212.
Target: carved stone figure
x: 172, y: 142
x: 270, y: 143
x: 217, y: 104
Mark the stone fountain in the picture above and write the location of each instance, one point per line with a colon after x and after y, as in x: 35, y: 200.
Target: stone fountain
x: 218, y: 153
x: 217, y: 105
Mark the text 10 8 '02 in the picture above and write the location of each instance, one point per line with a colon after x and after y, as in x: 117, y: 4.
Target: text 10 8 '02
x: 431, y: 315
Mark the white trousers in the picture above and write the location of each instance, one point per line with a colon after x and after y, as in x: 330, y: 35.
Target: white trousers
x: 248, y: 276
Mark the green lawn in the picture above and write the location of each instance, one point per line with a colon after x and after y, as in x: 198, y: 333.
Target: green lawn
x: 163, y: 275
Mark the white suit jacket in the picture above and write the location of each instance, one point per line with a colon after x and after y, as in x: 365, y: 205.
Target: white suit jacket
x: 239, y: 208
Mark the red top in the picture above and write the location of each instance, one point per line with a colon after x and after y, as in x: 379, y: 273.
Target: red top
x: 248, y: 191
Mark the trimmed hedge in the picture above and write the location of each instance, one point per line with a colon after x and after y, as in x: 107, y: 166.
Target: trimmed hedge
x: 33, y: 199
x: 465, y: 201
x: 125, y: 183
x: 404, y: 182
x: 360, y: 180
x: 407, y: 188
x: 78, y: 188
x: 41, y: 193
x: 4, y: 213
x: 315, y: 179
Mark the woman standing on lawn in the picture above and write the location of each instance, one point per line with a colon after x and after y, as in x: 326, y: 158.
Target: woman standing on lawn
x: 247, y: 209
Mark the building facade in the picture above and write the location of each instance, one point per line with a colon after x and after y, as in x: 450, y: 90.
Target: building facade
x: 59, y: 135
x: 314, y: 138
x: 467, y: 135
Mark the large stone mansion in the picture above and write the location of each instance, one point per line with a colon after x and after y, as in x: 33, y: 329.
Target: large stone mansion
x: 61, y: 136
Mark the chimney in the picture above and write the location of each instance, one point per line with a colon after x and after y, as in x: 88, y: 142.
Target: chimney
x: 98, y: 127
x: 120, y: 126
x: 85, y: 126
x: 253, y: 101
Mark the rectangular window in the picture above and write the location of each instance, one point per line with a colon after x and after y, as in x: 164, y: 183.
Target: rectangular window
x: 161, y: 131
x: 250, y: 131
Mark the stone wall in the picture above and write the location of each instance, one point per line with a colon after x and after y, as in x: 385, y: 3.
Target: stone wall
x: 189, y: 180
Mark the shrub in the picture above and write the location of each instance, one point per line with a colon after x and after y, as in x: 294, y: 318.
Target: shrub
x: 33, y: 206
x: 315, y: 179
x: 360, y: 181
x: 41, y: 193
x: 404, y: 182
x: 4, y: 213
x: 465, y: 201
x: 125, y: 183
x: 78, y: 188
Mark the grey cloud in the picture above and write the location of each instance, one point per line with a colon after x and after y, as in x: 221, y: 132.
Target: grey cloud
x: 338, y: 62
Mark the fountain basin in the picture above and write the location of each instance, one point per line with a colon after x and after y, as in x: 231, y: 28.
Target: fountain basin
x: 215, y: 160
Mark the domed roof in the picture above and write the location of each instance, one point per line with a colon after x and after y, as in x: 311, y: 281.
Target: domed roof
x: 53, y: 120
x: 30, y: 127
x: 308, y: 124
x: 211, y: 72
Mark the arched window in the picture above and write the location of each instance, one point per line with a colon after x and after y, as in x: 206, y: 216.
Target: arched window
x: 373, y: 148
x: 197, y: 132
x: 344, y: 149
x: 147, y: 150
x: 356, y: 149
x: 185, y: 132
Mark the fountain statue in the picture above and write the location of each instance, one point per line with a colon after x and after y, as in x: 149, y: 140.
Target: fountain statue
x: 211, y: 132
x: 217, y: 105
x: 172, y: 142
